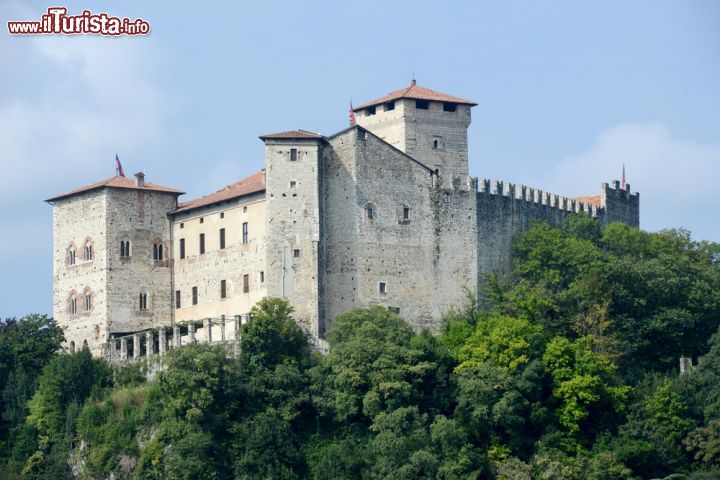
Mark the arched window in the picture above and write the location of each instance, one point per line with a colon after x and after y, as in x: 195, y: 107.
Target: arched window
x: 72, y: 303
x: 143, y: 304
x: 88, y: 250
x: 72, y: 346
x: 157, y: 251
x: 85, y: 345
x: 71, y: 254
x: 124, y: 248
x: 87, y: 300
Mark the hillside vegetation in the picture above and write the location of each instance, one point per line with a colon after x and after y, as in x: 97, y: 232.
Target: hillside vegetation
x: 566, y: 370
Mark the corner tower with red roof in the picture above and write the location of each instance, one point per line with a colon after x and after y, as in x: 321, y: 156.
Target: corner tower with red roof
x: 427, y: 125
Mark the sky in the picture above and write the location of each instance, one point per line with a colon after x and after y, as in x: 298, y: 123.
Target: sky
x: 567, y: 93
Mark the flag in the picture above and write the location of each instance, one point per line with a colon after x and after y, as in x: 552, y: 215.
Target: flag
x: 352, y: 115
x: 623, y: 177
x: 118, y: 167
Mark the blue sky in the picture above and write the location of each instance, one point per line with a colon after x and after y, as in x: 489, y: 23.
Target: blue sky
x: 567, y: 93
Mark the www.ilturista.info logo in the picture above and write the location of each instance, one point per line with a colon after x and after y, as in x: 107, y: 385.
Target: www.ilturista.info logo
x: 58, y: 22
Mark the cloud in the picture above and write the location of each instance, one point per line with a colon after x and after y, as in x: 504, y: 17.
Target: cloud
x: 677, y: 178
x: 70, y: 103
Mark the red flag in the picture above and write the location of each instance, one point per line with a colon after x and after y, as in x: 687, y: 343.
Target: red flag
x: 623, y: 177
x: 352, y: 115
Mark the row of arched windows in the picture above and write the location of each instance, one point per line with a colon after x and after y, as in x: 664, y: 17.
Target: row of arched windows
x: 71, y: 257
x: 159, y: 253
x: 86, y: 300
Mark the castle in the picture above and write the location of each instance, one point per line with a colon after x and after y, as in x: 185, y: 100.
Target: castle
x: 381, y: 213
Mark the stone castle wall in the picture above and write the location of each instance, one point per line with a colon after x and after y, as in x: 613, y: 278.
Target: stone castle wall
x: 76, y: 220
x: 232, y: 263
x: 138, y: 216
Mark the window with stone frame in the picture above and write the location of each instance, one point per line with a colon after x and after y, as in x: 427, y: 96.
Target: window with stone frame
x: 143, y: 300
x: 182, y: 248
x: 125, y: 248
x: 88, y: 250
x: 72, y: 303
x: 194, y: 295
x: 246, y: 283
x: 71, y: 254
x: 158, y: 251
x: 177, y: 299
x: 202, y: 243
x: 293, y: 154
x: 222, y: 239
x: 223, y: 289
x: 87, y: 300
x: 245, y: 232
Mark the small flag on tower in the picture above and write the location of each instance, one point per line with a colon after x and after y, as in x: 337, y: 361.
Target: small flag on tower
x: 623, y: 177
x: 352, y: 114
x: 118, y: 167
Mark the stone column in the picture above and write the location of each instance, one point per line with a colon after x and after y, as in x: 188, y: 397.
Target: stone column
x: 163, y: 341
x: 149, y: 343
x: 176, y: 336
x: 207, y: 324
x: 136, y: 345
x: 123, y: 349
x: 191, y: 332
x: 236, y: 325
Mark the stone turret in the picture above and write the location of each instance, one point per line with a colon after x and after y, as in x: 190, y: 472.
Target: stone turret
x: 427, y: 125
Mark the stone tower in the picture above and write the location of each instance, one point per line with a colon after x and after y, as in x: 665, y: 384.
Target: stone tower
x: 293, y: 176
x: 427, y: 125
x: 111, y: 250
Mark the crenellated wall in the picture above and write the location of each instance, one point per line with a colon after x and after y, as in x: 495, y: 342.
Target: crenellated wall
x: 505, y: 209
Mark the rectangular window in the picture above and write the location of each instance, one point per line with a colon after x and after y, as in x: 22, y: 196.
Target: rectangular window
x: 245, y: 232
x: 262, y: 277
x: 406, y: 213
x: 222, y: 238
x: 390, y: 106
x: 222, y: 215
x: 383, y: 288
x: 371, y: 111
x: 182, y: 248
x: 449, y: 106
x: 293, y: 154
x: 223, y: 289
x: 360, y: 134
x: 370, y: 213
x: 394, y: 309
x: 246, y: 283
x: 202, y: 243
x: 422, y: 104
x: 293, y: 183
x: 177, y: 298
x: 296, y: 253
x: 194, y: 296
x: 182, y: 225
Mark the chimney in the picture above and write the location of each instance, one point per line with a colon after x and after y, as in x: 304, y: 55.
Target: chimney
x: 139, y: 179
x: 412, y: 82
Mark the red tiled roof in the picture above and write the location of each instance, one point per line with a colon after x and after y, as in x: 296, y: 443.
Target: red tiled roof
x: 252, y: 184
x: 418, y: 93
x: 594, y: 199
x: 293, y: 134
x: 116, y: 182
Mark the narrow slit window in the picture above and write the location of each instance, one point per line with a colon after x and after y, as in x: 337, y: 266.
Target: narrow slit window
x: 222, y: 238
x: 223, y: 289
x: 406, y: 213
x: 194, y: 296
x: 202, y: 243
x: 246, y: 283
x: 177, y: 299
x: 383, y: 287
x: 245, y: 232
x: 182, y: 248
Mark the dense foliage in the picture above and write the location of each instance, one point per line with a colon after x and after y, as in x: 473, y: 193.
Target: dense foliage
x: 568, y: 369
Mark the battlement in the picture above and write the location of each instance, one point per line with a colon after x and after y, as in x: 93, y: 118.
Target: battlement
x: 537, y: 196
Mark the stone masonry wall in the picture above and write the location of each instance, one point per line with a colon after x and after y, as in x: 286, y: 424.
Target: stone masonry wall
x: 138, y: 216
x: 237, y: 259
x: 76, y: 220
x: 293, y: 226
